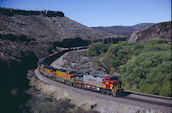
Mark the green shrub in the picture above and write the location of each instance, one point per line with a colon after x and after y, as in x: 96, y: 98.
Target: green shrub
x: 156, y: 41
x: 122, y: 51
x: 150, y: 72
x: 96, y: 49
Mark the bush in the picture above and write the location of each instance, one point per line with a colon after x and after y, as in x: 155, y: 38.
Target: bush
x: 156, y: 41
x: 96, y: 49
x: 16, y: 38
x: 150, y: 71
x: 15, y: 82
x: 12, y: 12
x: 122, y: 51
x: 75, y: 42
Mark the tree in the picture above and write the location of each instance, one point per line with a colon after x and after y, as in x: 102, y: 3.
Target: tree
x: 150, y: 71
x: 96, y: 49
x: 122, y: 52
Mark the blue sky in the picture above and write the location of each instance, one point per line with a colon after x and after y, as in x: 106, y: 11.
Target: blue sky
x: 101, y: 12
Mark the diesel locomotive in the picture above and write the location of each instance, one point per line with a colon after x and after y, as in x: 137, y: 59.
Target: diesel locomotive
x: 103, y: 83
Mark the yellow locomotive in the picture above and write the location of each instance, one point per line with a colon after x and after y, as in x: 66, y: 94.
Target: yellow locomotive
x: 60, y: 74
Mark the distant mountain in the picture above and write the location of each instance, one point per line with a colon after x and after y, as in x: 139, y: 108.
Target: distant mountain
x: 124, y: 30
x: 160, y: 30
x: 40, y: 31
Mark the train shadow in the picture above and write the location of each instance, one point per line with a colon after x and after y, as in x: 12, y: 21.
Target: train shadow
x: 124, y: 94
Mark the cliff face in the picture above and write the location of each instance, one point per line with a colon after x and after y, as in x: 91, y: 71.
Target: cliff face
x: 124, y: 30
x: 160, y: 30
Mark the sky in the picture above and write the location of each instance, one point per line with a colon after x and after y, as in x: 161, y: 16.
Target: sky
x: 101, y: 12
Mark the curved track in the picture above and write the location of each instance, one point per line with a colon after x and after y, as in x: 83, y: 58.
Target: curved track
x: 147, y: 101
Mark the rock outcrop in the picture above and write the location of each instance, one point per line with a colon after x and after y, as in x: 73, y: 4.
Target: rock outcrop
x: 160, y: 30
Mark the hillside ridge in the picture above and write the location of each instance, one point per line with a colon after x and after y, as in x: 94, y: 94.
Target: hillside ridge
x: 160, y: 30
x: 124, y: 30
x: 43, y: 30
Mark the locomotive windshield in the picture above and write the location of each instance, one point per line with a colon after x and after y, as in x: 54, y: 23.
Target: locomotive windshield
x: 72, y: 72
x: 114, y: 78
x: 78, y: 74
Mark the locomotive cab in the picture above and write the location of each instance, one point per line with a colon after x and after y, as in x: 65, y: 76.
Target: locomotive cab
x: 114, y: 78
x: 113, y: 83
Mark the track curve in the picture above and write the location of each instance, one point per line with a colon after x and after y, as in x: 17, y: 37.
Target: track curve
x: 164, y: 106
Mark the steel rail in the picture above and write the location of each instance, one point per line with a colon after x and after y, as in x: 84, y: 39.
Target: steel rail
x: 149, y: 95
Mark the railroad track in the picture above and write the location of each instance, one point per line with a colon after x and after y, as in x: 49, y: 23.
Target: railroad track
x: 164, y: 107
x: 149, y: 95
x: 164, y: 103
x: 167, y: 103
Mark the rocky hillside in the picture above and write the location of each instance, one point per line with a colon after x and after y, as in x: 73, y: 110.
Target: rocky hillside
x: 124, y: 30
x: 40, y: 31
x: 160, y: 30
x: 39, y: 25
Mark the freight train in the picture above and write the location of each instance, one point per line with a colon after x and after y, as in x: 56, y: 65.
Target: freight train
x: 103, y: 83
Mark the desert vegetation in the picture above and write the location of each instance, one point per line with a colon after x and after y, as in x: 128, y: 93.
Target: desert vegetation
x: 16, y: 38
x: 145, y: 68
x: 15, y: 83
x: 12, y: 12
x: 71, y: 42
